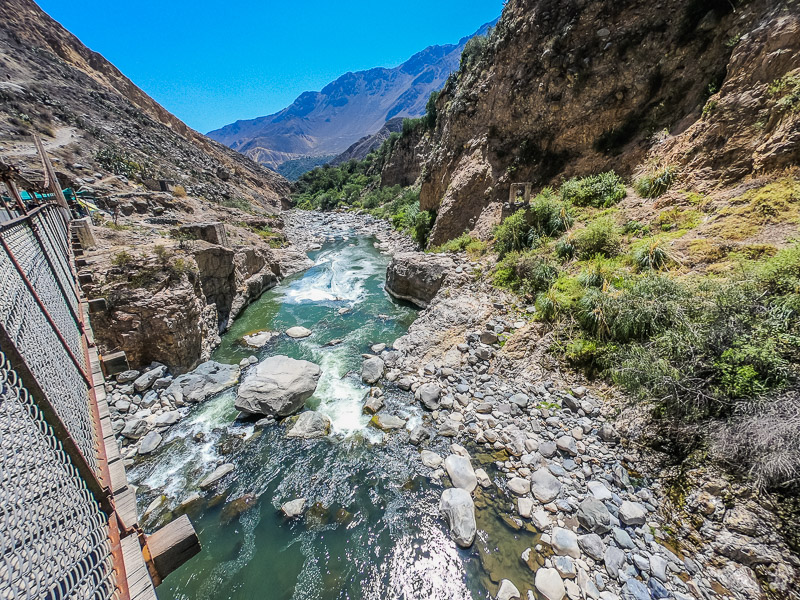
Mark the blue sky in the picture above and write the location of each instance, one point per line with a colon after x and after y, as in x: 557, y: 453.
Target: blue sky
x: 212, y: 62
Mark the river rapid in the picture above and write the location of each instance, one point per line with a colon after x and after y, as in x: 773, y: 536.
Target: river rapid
x: 372, y: 529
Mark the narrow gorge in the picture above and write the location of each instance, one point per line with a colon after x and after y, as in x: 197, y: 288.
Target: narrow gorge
x: 537, y: 338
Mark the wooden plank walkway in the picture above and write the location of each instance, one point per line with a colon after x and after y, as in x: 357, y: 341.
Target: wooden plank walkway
x: 140, y: 585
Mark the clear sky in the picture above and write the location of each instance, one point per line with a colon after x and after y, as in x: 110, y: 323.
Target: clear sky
x: 211, y: 62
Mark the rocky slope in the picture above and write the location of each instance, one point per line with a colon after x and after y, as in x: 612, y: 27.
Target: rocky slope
x: 574, y: 88
x: 617, y: 520
x: 95, y: 120
x: 368, y: 143
x: 355, y: 105
x: 169, y: 281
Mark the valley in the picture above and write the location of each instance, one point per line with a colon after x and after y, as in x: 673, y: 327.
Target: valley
x: 525, y: 324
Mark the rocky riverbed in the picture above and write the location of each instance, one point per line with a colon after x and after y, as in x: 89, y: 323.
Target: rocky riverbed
x: 583, y: 511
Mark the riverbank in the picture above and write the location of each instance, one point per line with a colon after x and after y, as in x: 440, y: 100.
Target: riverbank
x: 568, y: 502
x: 617, y: 519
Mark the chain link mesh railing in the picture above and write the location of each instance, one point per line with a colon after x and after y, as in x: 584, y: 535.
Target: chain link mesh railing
x: 55, y: 539
x: 55, y: 355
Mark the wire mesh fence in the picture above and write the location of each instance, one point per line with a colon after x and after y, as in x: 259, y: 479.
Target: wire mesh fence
x: 55, y: 539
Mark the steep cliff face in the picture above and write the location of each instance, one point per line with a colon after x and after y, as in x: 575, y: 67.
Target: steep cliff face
x: 574, y: 87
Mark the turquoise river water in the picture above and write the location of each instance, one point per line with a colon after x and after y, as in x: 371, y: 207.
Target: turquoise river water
x: 372, y: 530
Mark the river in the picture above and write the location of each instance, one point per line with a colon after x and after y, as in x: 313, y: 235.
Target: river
x: 372, y: 530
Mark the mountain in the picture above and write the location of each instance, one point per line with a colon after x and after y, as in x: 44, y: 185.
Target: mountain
x: 93, y: 118
x: 355, y: 105
x: 368, y: 143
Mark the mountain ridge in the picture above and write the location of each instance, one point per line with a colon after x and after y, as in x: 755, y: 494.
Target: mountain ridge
x: 355, y: 105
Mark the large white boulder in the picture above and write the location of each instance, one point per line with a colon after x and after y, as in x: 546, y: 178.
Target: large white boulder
x: 278, y: 387
x: 457, y: 505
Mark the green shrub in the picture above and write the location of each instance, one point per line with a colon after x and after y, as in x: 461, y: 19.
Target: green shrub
x: 463, y: 243
x: 601, y: 191
x: 526, y: 273
x: 651, y: 256
x: 600, y: 273
x: 528, y: 227
x: 423, y: 223
x: 512, y: 234
x: 548, y: 215
x: 565, y: 248
x: 474, y: 51
x: 601, y: 236
x: 122, y: 258
x: 655, y: 182
x: 635, y: 228
x: 647, y: 306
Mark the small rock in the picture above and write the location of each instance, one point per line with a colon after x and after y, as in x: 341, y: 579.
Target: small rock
x: 372, y: 370
x: 507, y: 591
x: 431, y: 459
x: 127, y: 376
x: 632, y: 513
x: 428, y: 394
x: 519, y: 486
x: 608, y: 434
x: 483, y: 478
x: 615, y: 560
x: 372, y: 405
x: 419, y: 434
x: 565, y: 542
x: 592, y: 544
x: 387, y: 422
x: 544, y: 486
x: 294, y: 508
x: 594, y: 516
x: 548, y: 583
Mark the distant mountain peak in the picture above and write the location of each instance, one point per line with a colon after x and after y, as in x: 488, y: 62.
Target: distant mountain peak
x: 354, y: 106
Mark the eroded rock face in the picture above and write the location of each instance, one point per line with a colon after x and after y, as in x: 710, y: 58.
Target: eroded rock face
x: 541, y: 110
x: 279, y: 386
x: 173, y: 325
x: 417, y: 277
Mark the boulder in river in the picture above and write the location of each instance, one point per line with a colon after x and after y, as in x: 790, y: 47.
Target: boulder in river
x: 457, y: 505
x: 459, y: 468
x: 387, y: 422
x: 298, y: 332
x: 372, y: 370
x: 259, y: 339
x: 310, y: 424
x: 279, y: 386
x: 208, y: 379
x: 294, y: 508
x: 416, y: 276
x: 149, y: 443
x: 220, y: 472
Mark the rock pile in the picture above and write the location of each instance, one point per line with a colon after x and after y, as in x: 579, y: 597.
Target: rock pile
x: 144, y: 405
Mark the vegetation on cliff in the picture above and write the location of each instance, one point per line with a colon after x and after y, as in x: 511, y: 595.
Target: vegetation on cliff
x: 709, y: 332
